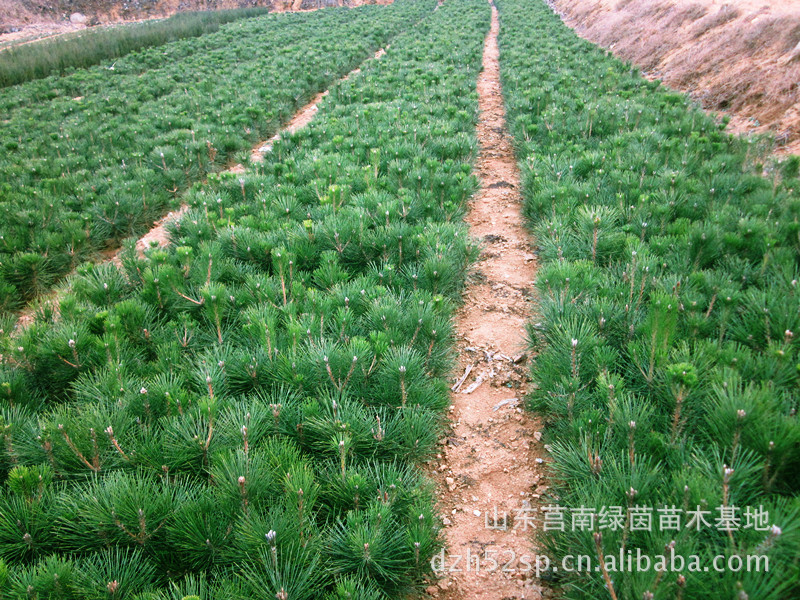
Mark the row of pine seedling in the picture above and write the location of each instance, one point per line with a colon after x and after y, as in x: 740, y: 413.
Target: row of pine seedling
x: 242, y: 413
x: 667, y: 365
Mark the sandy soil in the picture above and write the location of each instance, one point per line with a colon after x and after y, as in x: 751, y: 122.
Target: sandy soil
x: 36, y: 32
x: 740, y: 58
x: 493, y: 458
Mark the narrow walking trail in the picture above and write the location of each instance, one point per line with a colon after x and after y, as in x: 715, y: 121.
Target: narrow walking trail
x: 492, y: 458
x: 301, y: 118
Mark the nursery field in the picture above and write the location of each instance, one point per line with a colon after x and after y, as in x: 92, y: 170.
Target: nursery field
x: 667, y: 365
x: 94, y: 157
x: 271, y: 404
x: 240, y: 415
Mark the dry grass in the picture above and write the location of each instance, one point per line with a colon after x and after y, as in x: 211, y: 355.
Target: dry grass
x: 791, y: 38
x: 690, y: 13
x: 23, y: 12
x: 744, y: 59
x: 725, y: 14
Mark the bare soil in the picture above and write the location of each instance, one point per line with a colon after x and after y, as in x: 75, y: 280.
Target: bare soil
x: 493, y: 457
x: 739, y: 58
x: 158, y: 236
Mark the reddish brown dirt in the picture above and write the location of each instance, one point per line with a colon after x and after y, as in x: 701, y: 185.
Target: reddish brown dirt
x: 492, y: 457
x: 157, y: 236
x: 739, y: 58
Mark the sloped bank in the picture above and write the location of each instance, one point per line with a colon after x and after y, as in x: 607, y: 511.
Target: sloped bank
x: 741, y: 58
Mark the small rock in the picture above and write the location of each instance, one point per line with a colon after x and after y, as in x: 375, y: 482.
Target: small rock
x: 78, y: 18
x: 476, y: 512
x: 446, y: 521
x: 537, y: 435
x: 432, y: 590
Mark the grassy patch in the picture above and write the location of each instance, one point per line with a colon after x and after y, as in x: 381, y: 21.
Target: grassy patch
x: 40, y: 59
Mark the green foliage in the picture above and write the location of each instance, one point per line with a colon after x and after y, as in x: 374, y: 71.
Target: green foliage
x: 238, y: 413
x: 666, y: 360
x: 96, y: 156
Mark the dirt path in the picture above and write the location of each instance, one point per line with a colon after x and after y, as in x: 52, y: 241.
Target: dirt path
x: 301, y: 118
x: 492, y: 457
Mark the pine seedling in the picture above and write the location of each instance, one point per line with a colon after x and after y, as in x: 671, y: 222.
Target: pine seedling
x: 413, y: 433
x: 217, y: 301
x: 30, y: 482
x: 245, y: 479
x: 52, y: 578
x: 102, y: 285
x: 683, y: 377
x: 113, y: 574
x: 284, y: 570
x: 26, y: 524
x: 201, y: 531
x: 192, y: 587
x: 370, y: 545
x: 189, y: 439
x: 127, y: 510
x: 282, y: 264
x: 16, y: 392
x: 595, y: 219
x: 352, y: 588
x: 659, y: 329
